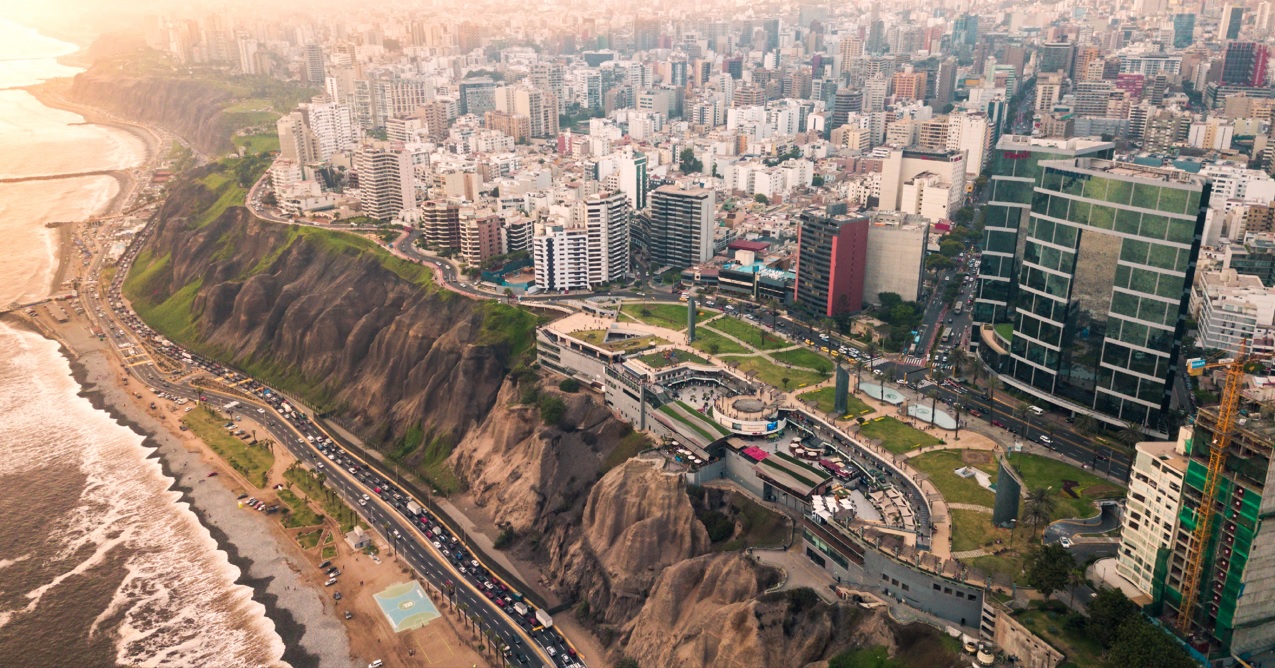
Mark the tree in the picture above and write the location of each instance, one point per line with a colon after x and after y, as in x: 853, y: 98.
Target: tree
x: 689, y: 164
x: 951, y: 247
x: 889, y: 300
x: 1107, y: 611
x: 963, y: 216
x: 1039, y: 507
x: 827, y: 324
x: 937, y: 263
x: 1130, y: 435
x: 713, y: 347
x: 761, y: 199
x: 785, y: 380
x: 1140, y: 644
x: 1048, y: 568
x: 1086, y: 424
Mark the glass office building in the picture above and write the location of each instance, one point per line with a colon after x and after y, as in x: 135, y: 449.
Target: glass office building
x: 1015, y: 171
x: 1100, y: 301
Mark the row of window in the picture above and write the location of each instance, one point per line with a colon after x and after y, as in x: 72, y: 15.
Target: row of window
x: 1145, y: 308
x: 1150, y: 282
x: 1128, y: 222
x: 1117, y: 191
x: 1129, y: 385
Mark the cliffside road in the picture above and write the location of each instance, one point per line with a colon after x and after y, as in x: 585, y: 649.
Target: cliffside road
x: 442, y: 561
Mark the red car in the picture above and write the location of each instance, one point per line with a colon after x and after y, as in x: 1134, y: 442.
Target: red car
x: 998, y: 423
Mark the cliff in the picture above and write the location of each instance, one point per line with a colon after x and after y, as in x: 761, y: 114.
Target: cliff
x: 186, y: 107
x: 327, y: 315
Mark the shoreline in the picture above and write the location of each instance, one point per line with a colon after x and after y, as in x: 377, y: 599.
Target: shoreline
x: 310, y: 636
x: 298, y: 614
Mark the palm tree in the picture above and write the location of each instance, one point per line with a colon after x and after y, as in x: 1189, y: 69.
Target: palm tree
x: 1039, y: 507
x: 870, y: 351
x: 785, y: 380
x: 937, y: 376
x: 827, y: 324
x: 858, y: 373
x: 1130, y: 435
x: 509, y: 294
x: 1086, y: 424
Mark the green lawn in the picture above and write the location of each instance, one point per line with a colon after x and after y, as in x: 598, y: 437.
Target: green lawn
x: 597, y: 337
x: 253, y: 461
x: 1038, y: 471
x: 955, y: 489
x: 1080, y: 648
x: 630, y: 445
x: 265, y: 142
x: 309, y: 540
x: 249, y: 105
x: 668, y: 316
x: 896, y: 436
x: 659, y: 360
x: 1006, y: 330
x: 329, y: 552
x: 750, y: 334
x: 972, y: 530
x: 300, y: 515
x: 311, y: 486
x: 1008, y: 566
x: 715, y: 344
x: 773, y: 374
x: 711, y: 430
x: 825, y: 399
x: 804, y: 357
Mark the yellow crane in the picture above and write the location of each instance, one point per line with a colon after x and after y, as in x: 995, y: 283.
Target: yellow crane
x: 1204, y: 514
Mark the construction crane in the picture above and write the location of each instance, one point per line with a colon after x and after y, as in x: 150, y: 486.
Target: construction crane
x: 1217, y: 461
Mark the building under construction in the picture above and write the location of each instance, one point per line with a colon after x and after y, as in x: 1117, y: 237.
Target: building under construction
x: 1233, y: 610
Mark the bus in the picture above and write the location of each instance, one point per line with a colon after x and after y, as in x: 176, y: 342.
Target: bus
x: 960, y: 306
x: 947, y: 335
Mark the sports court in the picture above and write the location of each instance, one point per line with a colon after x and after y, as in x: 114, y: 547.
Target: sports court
x: 406, y: 606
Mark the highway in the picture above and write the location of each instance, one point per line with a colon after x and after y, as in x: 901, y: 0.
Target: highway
x: 442, y: 559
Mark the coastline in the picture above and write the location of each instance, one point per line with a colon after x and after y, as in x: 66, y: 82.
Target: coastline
x: 311, y: 636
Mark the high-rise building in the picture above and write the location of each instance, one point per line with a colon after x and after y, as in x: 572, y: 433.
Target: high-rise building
x: 916, y: 181
x: 1183, y: 30
x: 909, y: 85
x: 315, y: 65
x: 440, y: 224
x: 945, y: 82
x: 1245, y: 64
x: 560, y: 254
x: 1057, y: 57
x: 1232, y: 20
x: 607, y: 217
x: 681, y: 224
x: 294, y: 138
x: 332, y: 126
x: 1015, y: 167
x: 1151, y: 510
x: 479, y: 236
x: 831, y: 261
x: 585, y: 246
x: 1102, y: 295
x: 1235, y: 612
x: 476, y: 95
x: 387, y: 184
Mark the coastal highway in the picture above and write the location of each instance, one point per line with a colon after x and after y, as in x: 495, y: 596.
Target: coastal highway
x: 350, y: 476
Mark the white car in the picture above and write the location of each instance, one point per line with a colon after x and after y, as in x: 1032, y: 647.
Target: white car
x: 261, y: 410
x: 1065, y: 542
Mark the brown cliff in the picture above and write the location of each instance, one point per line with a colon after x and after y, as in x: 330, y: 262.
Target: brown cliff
x: 186, y: 107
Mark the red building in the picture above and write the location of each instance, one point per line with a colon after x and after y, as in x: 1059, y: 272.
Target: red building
x: 831, y: 257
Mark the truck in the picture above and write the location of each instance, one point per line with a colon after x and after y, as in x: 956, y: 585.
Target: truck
x: 231, y: 406
x: 520, y: 608
x: 414, y: 508
x: 544, y: 618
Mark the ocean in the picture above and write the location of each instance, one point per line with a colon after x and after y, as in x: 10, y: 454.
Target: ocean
x: 101, y: 563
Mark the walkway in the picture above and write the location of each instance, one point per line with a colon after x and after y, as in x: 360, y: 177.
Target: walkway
x: 970, y: 506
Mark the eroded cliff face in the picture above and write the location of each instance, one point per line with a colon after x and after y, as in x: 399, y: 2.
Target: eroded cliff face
x: 530, y: 475
x: 186, y: 107
x: 324, y: 314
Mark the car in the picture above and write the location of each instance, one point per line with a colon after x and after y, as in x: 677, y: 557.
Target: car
x: 261, y: 410
x: 336, y: 595
x: 376, y: 664
x: 362, y: 502
x: 998, y: 423
x: 1046, y: 440
x: 474, y: 562
x: 330, y: 582
x: 1065, y: 542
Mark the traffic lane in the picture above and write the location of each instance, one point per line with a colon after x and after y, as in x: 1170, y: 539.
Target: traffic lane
x: 1065, y: 442
x: 424, y: 561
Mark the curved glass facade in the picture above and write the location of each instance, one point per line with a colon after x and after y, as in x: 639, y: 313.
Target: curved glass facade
x: 1103, y: 282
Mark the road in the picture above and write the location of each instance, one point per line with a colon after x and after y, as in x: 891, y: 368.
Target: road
x: 446, y: 563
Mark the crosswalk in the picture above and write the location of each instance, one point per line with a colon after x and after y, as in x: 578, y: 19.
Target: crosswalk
x: 915, y: 361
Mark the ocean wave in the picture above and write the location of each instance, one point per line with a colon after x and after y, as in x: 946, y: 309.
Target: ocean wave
x: 177, y: 603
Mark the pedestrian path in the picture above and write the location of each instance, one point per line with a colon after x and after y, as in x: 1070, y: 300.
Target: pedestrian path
x: 970, y: 554
x: 914, y: 361
x: 970, y: 506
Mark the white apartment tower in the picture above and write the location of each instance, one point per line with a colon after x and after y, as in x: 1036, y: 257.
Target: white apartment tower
x: 386, y: 181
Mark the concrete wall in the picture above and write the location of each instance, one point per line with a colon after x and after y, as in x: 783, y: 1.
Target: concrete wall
x: 896, y: 259
x: 1016, y: 640
x: 947, y: 599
